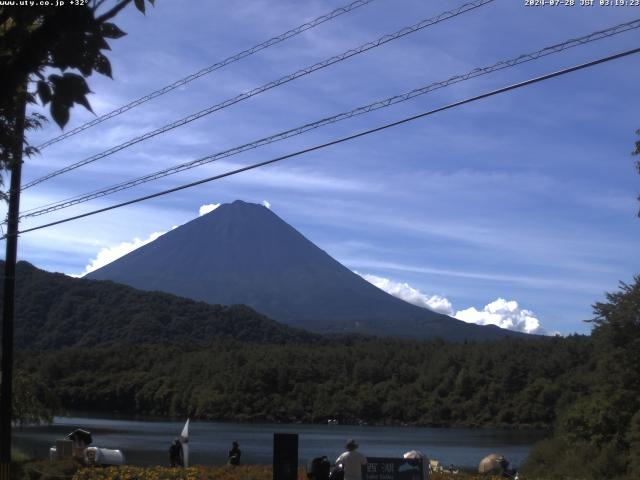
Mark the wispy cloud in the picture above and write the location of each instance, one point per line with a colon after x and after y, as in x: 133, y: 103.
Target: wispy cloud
x: 538, y: 282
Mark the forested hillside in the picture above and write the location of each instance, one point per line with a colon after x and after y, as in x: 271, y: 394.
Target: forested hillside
x: 56, y: 311
x: 598, y: 436
x: 511, y: 382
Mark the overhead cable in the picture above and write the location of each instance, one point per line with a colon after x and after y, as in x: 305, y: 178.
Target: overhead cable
x: 276, y: 83
x: 340, y: 140
x: 211, y: 68
x: 41, y: 210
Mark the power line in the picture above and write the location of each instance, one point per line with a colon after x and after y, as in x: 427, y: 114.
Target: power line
x: 333, y: 119
x: 276, y: 83
x: 211, y: 68
x: 341, y: 140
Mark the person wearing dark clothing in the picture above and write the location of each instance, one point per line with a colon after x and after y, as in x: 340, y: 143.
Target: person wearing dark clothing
x: 319, y: 469
x: 234, y: 454
x: 176, y: 457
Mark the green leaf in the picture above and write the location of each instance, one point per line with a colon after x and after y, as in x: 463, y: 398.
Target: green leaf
x: 55, y: 79
x: 60, y: 112
x: 76, y: 84
x: 102, y: 65
x: 44, y: 91
x: 84, y: 102
x: 111, y: 30
x: 85, y: 67
x: 76, y: 89
x: 139, y: 5
x: 100, y: 42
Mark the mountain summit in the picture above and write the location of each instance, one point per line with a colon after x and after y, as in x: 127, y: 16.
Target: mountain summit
x: 243, y: 253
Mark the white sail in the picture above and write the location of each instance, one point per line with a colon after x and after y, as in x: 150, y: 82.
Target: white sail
x: 184, y: 440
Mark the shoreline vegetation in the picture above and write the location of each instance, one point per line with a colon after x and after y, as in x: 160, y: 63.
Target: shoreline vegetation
x: 511, y: 383
x: 115, y: 415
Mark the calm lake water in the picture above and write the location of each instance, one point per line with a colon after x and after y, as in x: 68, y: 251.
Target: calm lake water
x: 147, y: 442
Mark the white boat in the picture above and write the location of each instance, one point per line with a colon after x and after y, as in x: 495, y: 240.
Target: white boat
x: 184, y: 441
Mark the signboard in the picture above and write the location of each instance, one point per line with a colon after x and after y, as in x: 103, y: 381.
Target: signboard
x: 285, y: 456
x: 379, y: 468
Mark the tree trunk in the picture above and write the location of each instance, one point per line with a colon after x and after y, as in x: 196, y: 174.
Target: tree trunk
x: 9, y: 289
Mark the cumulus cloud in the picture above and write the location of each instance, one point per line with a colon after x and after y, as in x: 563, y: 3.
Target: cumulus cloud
x: 409, y: 294
x: 204, y: 209
x: 109, y: 254
x: 504, y: 314
x: 266, y: 204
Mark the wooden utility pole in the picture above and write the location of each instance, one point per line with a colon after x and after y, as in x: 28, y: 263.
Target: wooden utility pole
x: 6, y: 394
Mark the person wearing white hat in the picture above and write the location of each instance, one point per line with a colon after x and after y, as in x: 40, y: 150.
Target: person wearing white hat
x: 352, y: 461
x: 418, y: 455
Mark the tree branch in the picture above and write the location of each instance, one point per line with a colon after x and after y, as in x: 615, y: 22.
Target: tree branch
x: 113, y: 12
x: 97, y: 4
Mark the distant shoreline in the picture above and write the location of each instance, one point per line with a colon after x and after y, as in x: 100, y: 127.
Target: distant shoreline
x: 181, y: 419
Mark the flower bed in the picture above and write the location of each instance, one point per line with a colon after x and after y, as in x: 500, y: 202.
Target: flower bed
x: 70, y: 470
x: 226, y: 472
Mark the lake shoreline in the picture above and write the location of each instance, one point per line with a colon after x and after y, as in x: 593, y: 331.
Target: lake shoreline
x: 267, y: 421
x: 145, y: 442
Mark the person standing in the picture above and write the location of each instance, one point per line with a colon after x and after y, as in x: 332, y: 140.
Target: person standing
x: 176, y: 455
x: 352, y: 461
x: 234, y: 454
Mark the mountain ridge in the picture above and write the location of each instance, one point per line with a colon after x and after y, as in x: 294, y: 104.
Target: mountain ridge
x: 56, y: 311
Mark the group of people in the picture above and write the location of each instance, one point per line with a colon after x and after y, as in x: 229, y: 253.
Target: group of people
x: 176, y: 454
x: 351, y: 460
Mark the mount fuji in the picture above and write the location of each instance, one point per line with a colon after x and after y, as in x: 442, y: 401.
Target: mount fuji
x: 243, y: 253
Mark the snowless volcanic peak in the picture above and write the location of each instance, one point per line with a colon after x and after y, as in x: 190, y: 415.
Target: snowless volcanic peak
x: 243, y: 253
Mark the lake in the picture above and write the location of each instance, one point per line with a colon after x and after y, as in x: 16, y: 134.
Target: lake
x: 146, y: 442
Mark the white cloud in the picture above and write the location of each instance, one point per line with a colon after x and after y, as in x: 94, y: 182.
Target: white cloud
x: 266, y: 204
x: 204, y: 209
x: 108, y: 254
x: 504, y: 314
x: 409, y: 294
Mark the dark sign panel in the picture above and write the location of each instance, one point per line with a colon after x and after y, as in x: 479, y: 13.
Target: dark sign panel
x: 285, y: 456
x: 378, y: 468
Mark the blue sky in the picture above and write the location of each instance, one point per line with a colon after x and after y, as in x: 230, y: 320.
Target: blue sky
x: 528, y: 197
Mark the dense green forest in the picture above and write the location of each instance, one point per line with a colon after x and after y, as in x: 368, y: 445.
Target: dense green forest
x: 598, y: 435
x: 56, y: 311
x: 512, y: 382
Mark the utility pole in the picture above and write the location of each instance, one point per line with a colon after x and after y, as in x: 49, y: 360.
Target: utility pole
x: 6, y: 394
